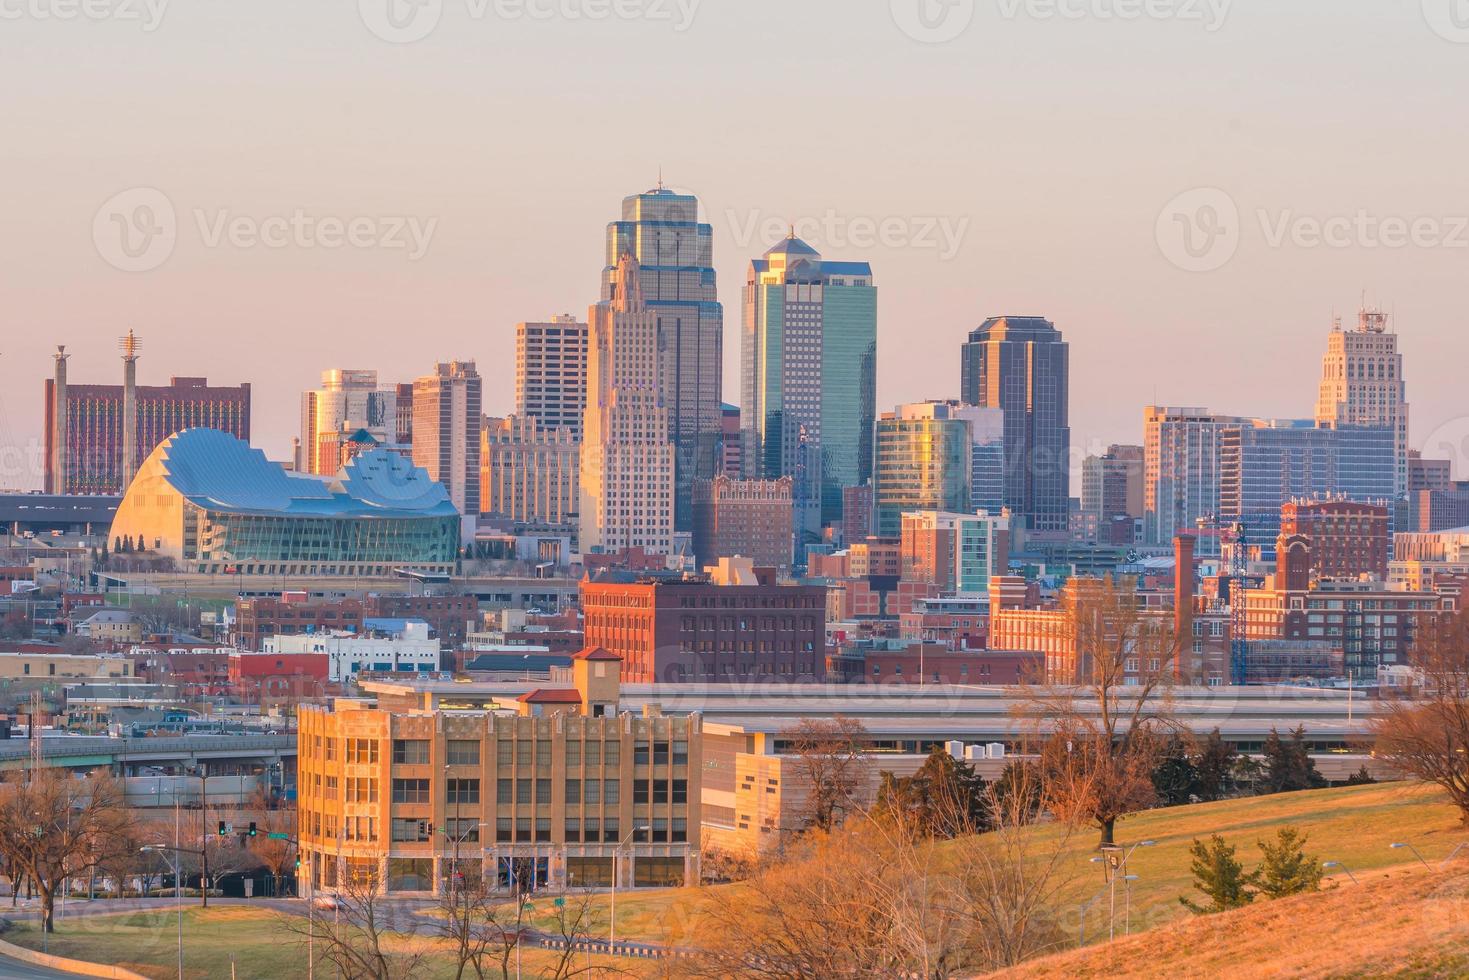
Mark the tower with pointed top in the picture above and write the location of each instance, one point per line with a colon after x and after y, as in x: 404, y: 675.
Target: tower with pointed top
x: 129, y: 346
x: 1362, y: 385
x: 809, y: 377
x: 673, y: 252
x: 627, y: 454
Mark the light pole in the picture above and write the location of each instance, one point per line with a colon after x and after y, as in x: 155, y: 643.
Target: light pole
x: 1127, y: 881
x: 202, y: 772
x: 1114, y: 864
x: 1081, y: 925
x: 171, y: 855
x: 1338, y: 864
x: 1453, y: 854
x: 1414, y: 850
x: 616, y: 870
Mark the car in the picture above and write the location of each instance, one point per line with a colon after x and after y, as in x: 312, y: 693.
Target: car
x: 326, y: 902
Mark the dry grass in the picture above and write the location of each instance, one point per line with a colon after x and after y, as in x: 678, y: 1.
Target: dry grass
x: 1408, y: 923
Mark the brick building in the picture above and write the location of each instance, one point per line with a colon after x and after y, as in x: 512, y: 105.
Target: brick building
x: 291, y: 614
x: 707, y: 628
x: 750, y: 518
x: 1347, y: 539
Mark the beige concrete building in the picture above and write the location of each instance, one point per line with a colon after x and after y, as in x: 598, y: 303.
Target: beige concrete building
x: 551, y: 788
x: 14, y: 666
x: 528, y: 470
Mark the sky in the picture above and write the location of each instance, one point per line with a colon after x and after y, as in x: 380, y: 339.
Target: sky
x: 1189, y: 189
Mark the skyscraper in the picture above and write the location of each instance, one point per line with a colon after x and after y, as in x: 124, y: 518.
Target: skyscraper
x: 1020, y: 364
x: 529, y: 471
x: 1181, y: 472
x: 627, y: 457
x: 809, y: 377
x: 1362, y: 385
x: 551, y: 373
x: 923, y: 461
x: 673, y: 253
x: 346, y: 402
x: 446, y: 424
x: 1112, y: 484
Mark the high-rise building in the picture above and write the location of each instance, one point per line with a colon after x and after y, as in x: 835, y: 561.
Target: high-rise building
x: 404, y: 436
x: 1265, y: 463
x: 347, y: 401
x: 733, y: 451
x: 747, y: 518
x: 1181, y: 472
x: 529, y: 471
x: 956, y: 552
x: 446, y: 424
x: 1020, y: 365
x: 809, y: 377
x: 673, y: 253
x: 923, y: 460
x: 1362, y: 385
x: 987, y: 444
x: 551, y: 373
x: 88, y: 449
x: 1112, y: 484
x: 856, y: 513
x: 627, y: 454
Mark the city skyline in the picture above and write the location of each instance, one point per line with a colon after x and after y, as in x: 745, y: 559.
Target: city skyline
x: 519, y: 226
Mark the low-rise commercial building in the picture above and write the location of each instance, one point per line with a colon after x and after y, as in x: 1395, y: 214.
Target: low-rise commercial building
x: 405, y: 648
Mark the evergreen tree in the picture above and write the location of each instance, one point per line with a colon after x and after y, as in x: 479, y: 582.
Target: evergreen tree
x: 1304, y: 766
x: 1288, y: 763
x: 1286, y: 868
x: 1215, y: 764
x: 1360, y: 778
x: 1219, y: 875
x: 945, y: 797
x: 1175, y: 777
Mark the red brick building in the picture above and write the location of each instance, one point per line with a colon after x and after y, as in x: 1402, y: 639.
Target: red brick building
x: 292, y: 614
x: 1347, y: 539
x: 271, y: 678
x: 751, y: 518
x: 450, y: 616
x: 932, y: 663
x: 694, y: 629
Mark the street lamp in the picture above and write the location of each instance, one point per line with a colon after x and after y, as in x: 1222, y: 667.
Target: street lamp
x: 1410, y: 847
x: 1081, y: 925
x: 202, y: 772
x: 1127, y: 881
x: 1338, y: 864
x: 1454, y: 853
x: 616, y: 868
x: 1114, y: 864
x: 171, y: 855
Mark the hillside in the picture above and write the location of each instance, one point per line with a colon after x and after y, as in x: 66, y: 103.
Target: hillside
x: 1402, y: 923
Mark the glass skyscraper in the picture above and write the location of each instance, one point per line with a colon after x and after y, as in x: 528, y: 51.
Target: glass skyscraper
x: 661, y: 230
x: 1020, y: 364
x: 923, y: 462
x: 809, y: 377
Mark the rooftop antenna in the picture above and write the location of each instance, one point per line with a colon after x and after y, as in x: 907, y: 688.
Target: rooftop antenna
x: 660, y: 176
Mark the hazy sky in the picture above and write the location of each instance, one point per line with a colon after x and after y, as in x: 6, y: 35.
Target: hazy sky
x: 1031, y: 163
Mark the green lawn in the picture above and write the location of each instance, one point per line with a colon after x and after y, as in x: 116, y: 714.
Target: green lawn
x: 255, y: 941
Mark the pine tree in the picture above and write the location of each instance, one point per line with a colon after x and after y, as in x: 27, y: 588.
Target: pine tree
x: 1175, y: 777
x: 1215, y: 764
x: 1286, y: 868
x: 945, y: 797
x: 1276, y: 759
x: 1360, y: 778
x: 1303, y: 766
x: 1219, y: 875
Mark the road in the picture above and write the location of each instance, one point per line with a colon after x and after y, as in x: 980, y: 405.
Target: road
x: 16, y: 970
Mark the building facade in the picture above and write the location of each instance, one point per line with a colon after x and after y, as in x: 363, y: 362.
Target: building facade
x: 346, y: 402
x: 628, y: 459
x: 551, y: 373
x: 922, y: 460
x: 1362, y: 385
x: 1348, y: 539
x: 529, y: 472
x: 673, y: 258
x: 557, y: 789
x: 808, y: 368
x: 1021, y: 365
x: 749, y: 518
x: 1180, y: 471
x: 214, y: 506
x: 446, y: 424
x: 85, y: 431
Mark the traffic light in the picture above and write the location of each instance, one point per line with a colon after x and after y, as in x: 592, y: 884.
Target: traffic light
x: 252, y: 828
x: 221, y: 828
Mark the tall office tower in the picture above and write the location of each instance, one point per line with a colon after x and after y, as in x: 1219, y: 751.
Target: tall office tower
x: 529, y: 471
x: 87, y: 438
x: 1112, y: 484
x: 1265, y: 463
x: 746, y: 518
x: 673, y: 252
x: 347, y: 403
x: 809, y: 377
x: 1181, y: 472
x: 733, y: 451
x: 1020, y: 364
x: 922, y: 461
x: 987, y: 443
x: 551, y: 372
x: 404, y: 435
x: 446, y: 423
x: 627, y: 455
x: 1362, y: 385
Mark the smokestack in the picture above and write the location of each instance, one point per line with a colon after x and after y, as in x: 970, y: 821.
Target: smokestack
x: 1183, y: 601
x: 59, y: 482
x: 129, y: 346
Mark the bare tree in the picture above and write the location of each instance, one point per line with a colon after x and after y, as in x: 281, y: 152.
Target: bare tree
x: 1100, y: 732
x: 276, y: 854
x: 484, y: 929
x: 56, y: 827
x: 357, y: 936
x: 828, y: 763
x: 1424, y: 731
